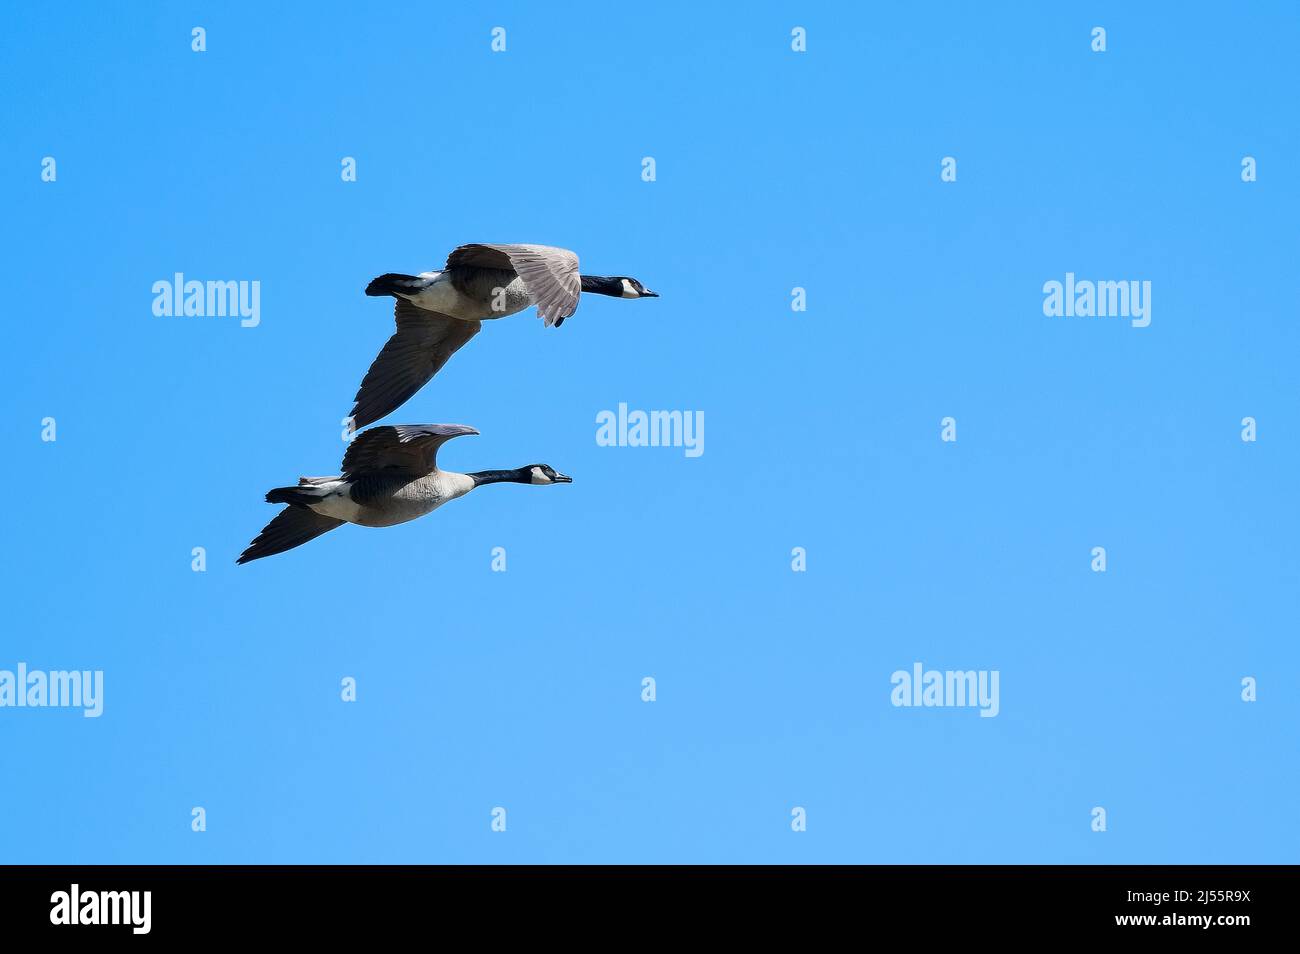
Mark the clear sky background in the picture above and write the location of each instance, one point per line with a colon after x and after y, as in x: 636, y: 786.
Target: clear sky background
x: 775, y: 169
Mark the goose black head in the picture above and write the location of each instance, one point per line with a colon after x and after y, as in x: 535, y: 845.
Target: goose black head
x: 634, y: 289
x: 545, y: 474
x: 617, y: 287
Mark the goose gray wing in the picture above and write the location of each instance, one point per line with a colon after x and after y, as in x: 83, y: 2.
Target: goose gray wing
x: 423, y: 342
x: 409, y: 450
x: 550, y: 274
x: 292, y: 527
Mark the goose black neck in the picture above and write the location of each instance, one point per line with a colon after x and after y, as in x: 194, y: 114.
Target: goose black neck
x: 602, y: 286
x: 520, y: 476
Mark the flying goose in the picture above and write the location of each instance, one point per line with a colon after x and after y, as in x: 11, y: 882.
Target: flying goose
x: 437, y: 312
x: 390, y: 476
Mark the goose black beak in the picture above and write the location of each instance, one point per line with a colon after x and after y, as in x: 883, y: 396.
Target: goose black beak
x: 649, y: 294
x: 562, y: 479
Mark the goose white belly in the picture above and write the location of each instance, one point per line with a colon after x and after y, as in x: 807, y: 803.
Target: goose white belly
x: 337, y: 502
x: 442, y: 296
x: 408, y: 502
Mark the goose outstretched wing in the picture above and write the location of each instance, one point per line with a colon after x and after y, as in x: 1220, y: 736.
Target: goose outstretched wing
x: 399, y: 449
x: 423, y: 342
x: 550, y: 274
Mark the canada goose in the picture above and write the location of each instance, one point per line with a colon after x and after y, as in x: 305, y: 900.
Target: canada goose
x: 437, y: 312
x: 390, y: 475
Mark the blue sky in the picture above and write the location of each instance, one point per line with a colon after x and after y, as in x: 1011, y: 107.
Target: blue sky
x: 774, y: 170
